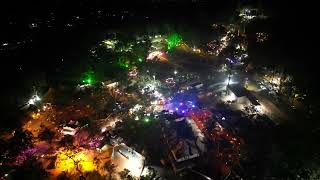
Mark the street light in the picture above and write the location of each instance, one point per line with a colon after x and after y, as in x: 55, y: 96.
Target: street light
x: 228, y: 81
x: 34, y: 99
x: 175, y: 72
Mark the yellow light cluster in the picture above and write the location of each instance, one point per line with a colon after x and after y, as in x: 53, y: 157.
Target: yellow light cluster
x: 69, y: 161
x: 35, y: 115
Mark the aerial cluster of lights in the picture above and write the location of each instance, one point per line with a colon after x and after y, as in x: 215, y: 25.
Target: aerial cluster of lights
x: 196, y: 50
x: 200, y: 116
x: 237, y: 60
x: 231, y: 97
x: 157, y: 55
x: 25, y: 154
x: 146, y: 119
x: 140, y: 59
x: 184, y: 107
x: 173, y: 40
x: 72, y: 161
x: 242, y: 46
x: 223, y: 68
x: 110, y: 43
x: 133, y: 72
x: 95, y: 141
x: 46, y: 107
x: 125, y: 48
x: 134, y: 161
x: 224, y: 41
x: 181, y: 103
x: 272, y: 82
x: 35, y: 115
x: 157, y: 94
x: 150, y: 87
x: 157, y: 104
x: 79, y: 160
x: 88, y: 78
x: 213, y: 47
x: 170, y: 82
x: 156, y: 38
x: 157, y: 43
x: 247, y: 14
x: 123, y: 63
x: 261, y: 37
x: 216, y: 47
x: 136, y: 108
x: 216, y: 133
x: 34, y: 99
x: 241, y: 57
x: 68, y: 131
x: 229, y: 81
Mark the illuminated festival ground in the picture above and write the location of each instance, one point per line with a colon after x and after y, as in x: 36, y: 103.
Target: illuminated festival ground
x: 154, y: 105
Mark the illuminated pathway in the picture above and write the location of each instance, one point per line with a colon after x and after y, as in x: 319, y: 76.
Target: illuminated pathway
x: 271, y: 110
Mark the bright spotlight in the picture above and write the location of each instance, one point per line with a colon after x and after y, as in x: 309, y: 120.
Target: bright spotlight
x: 37, y: 98
x: 31, y: 101
x: 228, y: 82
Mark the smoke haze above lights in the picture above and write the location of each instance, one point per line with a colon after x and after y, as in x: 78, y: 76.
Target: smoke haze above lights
x: 182, y: 102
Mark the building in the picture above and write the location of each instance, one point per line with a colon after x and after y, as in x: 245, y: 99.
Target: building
x: 181, y: 144
x: 238, y: 94
x: 127, y: 158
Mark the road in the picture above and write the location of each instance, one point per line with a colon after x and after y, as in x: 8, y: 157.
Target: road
x: 278, y: 115
x: 270, y: 109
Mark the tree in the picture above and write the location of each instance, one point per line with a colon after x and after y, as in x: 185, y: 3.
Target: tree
x: 46, y: 135
x: 67, y: 141
x: 111, y: 168
x: 124, y: 174
x: 94, y: 175
x: 173, y: 40
x: 30, y: 169
x: 21, y: 140
x: 63, y: 176
x: 149, y: 176
x: 10, y: 114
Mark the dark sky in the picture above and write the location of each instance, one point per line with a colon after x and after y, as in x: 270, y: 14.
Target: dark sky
x: 293, y: 25
x: 296, y: 33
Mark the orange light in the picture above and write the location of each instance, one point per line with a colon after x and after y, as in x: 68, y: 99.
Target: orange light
x: 35, y: 115
x: 68, y: 160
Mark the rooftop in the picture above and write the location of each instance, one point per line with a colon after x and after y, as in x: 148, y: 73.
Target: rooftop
x: 240, y: 91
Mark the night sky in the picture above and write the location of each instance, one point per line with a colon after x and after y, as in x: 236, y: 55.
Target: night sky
x: 291, y: 26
